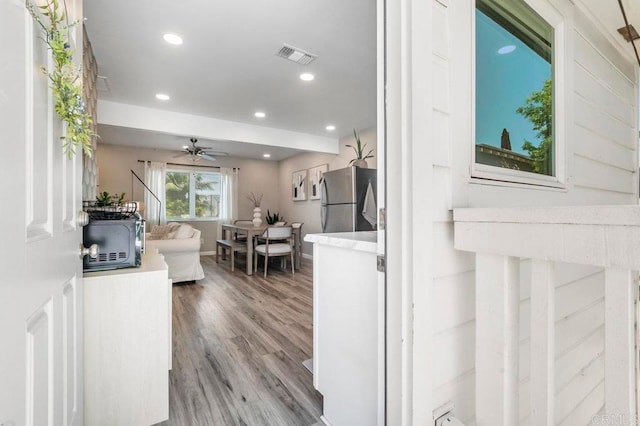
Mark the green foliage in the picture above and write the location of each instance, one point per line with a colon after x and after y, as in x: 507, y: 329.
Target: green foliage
x: 177, y: 192
x: 273, y: 218
x: 65, y: 78
x: 105, y: 199
x: 359, y: 149
x: 177, y: 186
x: 538, y: 109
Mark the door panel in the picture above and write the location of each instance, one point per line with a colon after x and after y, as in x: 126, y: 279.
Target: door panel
x: 38, y: 141
x: 69, y: 348
x: 338, y: 186
x: 339, y: 217
x: 39, y: 357
x: 41, y: 283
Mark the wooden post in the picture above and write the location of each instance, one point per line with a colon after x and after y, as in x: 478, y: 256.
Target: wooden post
x: 497, y: 319
x: 542, y: 342
x: 619, y: 344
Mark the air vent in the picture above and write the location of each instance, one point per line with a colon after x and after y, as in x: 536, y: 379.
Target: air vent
x: 296, y: 55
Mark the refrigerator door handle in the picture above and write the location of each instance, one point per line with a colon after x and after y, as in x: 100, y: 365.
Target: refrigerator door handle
x: 323, y: 217
x: 323, y: 192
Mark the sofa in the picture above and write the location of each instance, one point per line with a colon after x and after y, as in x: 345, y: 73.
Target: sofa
x: 180, y: 246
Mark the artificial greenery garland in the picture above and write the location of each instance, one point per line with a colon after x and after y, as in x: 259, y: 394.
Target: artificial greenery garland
x: 65, y: 77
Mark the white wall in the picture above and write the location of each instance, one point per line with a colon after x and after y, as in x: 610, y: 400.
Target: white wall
x: 258, y: 176
x: 600, y: 151
x: 308, y: 211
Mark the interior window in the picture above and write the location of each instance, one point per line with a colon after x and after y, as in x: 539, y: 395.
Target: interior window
x: 514, y: 88
x: 192, y: 195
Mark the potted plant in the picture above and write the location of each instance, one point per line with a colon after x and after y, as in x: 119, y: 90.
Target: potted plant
x: 273, y: 218
x: 361, y: 158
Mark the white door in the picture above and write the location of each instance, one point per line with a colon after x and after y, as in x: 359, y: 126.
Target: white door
x: 40, y: 271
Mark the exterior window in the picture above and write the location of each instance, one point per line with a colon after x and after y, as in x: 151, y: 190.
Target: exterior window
x: 192, y: 195
x: 514, y: 88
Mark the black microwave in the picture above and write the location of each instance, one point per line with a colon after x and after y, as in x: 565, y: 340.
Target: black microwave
x: 120, y: 243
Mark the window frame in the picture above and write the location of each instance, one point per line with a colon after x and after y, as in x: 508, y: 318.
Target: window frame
x: 192, y: 199
x: 480, y: 173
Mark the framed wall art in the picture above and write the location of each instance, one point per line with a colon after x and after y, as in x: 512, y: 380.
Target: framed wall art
x: 299, y: 185
x: 315, y: 180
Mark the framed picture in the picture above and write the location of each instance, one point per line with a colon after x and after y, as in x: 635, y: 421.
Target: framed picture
x: 315, y: 180
x: 299, y: 185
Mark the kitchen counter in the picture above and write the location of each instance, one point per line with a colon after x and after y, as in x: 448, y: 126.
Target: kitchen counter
x: 348, y: 328
x: 360, y: 241
x: 127, y: 344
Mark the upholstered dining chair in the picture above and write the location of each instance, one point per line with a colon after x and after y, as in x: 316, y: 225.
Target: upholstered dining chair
x: 274, y: 246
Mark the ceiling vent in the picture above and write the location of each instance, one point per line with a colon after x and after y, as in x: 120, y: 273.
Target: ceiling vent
x: 296, y: 55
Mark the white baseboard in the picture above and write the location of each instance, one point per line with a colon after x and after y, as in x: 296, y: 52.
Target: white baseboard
x: 307, y: 256
x: 207, y: 253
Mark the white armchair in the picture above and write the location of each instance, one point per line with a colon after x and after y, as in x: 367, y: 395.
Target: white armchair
x: 181, y: 254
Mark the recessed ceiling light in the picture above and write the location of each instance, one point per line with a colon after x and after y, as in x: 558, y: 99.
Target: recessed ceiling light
x: 307, y: 76
x: 260, y: 114
x: 184, y: 147
x: 330, y: 127
x: 266, y: 155
x: 506, y: 49
x: 162, y: 96
x: 172, y: 39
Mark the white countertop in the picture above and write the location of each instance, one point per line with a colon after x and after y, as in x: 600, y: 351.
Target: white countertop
x: 151, y: 262
x: 361, y: 241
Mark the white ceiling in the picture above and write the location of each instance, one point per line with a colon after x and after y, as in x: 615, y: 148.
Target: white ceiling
x: 227, y: 68
x: 116, y: 135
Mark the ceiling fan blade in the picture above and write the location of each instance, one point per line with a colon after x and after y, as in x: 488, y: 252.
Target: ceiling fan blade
x: 206, y: 156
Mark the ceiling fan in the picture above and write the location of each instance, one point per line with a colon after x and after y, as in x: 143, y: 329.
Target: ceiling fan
x: 195, y: 153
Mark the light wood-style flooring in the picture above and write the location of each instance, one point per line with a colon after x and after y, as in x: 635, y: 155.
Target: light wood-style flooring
x: 238, y: 346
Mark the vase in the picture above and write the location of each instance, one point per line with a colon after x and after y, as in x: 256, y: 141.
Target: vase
x: 361, y: 163
x: 257, y: 220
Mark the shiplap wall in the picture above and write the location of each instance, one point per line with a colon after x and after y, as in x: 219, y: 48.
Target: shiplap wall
x: 601, y: 163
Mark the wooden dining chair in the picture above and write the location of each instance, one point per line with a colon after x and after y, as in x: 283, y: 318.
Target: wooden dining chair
x: 274, y: 246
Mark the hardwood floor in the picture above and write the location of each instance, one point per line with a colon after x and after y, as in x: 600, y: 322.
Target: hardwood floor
x: 238, y: 347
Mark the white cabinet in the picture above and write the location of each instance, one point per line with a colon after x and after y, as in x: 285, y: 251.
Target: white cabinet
x: 348, y: 328
x: 127, y: 344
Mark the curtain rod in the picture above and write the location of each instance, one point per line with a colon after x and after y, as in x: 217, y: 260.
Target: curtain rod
x: 189, y: 165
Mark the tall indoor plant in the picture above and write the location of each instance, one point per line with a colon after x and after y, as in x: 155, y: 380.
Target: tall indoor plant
x: 361, y: 158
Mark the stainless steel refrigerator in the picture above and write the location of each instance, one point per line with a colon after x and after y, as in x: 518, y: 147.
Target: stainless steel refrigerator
x: 343, y: 195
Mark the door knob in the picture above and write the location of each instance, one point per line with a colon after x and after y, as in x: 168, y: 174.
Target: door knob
x: 83, y: 218
x: 92, y: 251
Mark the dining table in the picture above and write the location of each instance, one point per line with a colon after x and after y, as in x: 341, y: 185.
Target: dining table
x: 251, y: 232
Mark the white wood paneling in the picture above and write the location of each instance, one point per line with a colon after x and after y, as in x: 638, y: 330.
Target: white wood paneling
x: 601, y: 161
x: 497, y: 322
x: 542, y: 342
x: 620, y: 377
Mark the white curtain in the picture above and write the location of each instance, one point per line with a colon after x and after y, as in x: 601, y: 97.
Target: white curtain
x: 228, y: 197
x: 154, y: 177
